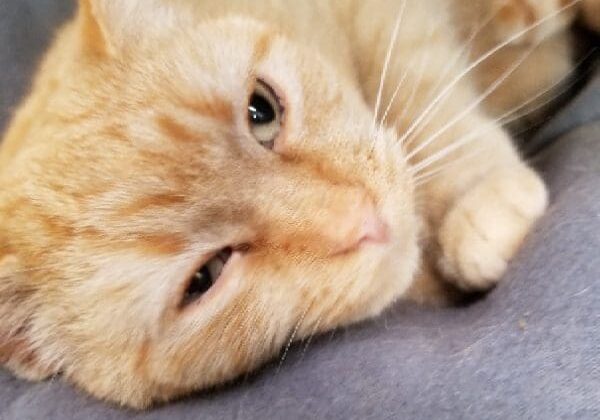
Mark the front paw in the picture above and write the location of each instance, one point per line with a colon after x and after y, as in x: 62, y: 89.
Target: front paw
x: 486, y: 227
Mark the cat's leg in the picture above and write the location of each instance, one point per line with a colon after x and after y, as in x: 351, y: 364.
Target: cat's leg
x: 481, y: 208
x: 485, y: 199
x: 483, y: 230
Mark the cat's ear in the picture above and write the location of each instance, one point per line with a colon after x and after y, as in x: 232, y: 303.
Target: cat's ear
x: 17, y: 350
x: 108, y: 26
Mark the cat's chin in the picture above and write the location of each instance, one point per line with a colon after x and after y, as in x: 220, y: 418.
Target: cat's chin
x: 397, y: 270
x: 391, y: 278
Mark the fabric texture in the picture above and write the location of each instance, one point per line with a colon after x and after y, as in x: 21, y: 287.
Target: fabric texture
x: 530, y: 350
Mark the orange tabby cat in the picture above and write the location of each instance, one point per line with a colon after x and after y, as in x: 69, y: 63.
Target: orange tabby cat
x: 191, y: 185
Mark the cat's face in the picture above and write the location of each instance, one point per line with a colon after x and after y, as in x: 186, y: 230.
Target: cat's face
x: 172, y: 151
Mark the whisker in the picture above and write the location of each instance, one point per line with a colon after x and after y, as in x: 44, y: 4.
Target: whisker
x: 395, y: 94
x: 453, y: 147
x: 403, y: 78
x: 552, y: 87
x: 418, y: 82
x: 386, y: 64
x: 539, y: 106
x: 293, y: 336
x: 491, y: 89
x: 311, y: 337
x: 468, y: 44
x: 425, y: 177
x: 446, y: 91
x: 506, y: 118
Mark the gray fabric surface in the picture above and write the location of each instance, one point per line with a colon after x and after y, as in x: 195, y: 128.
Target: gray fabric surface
x: 530, y: 350
x: 26, y: 27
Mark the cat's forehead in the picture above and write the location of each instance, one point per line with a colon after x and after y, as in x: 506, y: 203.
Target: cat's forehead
x: 223, y: 53
x: 217, y: 63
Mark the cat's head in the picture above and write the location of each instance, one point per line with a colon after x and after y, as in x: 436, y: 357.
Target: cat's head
x: 180, y: 197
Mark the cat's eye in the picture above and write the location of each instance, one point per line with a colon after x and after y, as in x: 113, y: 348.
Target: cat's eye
x: 206, y: 277
x: 265, y: 115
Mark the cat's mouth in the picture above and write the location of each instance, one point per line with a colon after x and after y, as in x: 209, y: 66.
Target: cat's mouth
x: 206, y: 276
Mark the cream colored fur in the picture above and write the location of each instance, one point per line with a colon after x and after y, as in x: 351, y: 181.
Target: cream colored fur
x: 131, y: 162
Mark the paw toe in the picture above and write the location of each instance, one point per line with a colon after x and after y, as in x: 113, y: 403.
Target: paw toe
x: 485, y: 229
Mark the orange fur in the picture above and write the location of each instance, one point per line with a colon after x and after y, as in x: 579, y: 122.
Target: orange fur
x: 131, y: 162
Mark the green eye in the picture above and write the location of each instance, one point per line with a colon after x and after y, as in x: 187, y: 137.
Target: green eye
x: 265, y: 115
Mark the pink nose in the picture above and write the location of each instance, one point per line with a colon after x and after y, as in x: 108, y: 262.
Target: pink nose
x: 362, y: 226
x: 374, y: 230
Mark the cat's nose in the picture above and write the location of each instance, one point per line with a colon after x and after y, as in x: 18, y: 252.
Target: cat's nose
x: 359, y: 226
x: 374, y: 230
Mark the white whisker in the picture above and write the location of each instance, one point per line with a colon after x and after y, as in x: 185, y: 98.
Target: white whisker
x: 436, y: 157
x: 386, y: 64
x: 491, y: 89
x: 395, y: 95
x: 311, y: 337
x: 425, y: 177
x: 464, y: 51
x: 403, y: 78
x: 425, y: 58
x: 508, y: 116
x: 468, y: 45
x: 446, y: 91
x: 293, y: 336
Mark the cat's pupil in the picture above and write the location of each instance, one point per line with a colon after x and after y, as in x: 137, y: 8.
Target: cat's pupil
x: 200, y: 284
x: 260, y: 110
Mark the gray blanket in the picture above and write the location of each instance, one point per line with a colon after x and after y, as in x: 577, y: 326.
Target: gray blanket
x: 530, y: 350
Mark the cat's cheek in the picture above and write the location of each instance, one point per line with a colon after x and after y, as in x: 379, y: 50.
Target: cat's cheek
x: 18, y: 352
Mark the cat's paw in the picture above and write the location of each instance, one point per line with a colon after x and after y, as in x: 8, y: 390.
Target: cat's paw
x: 512, y: 18
x: 486, y: 227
